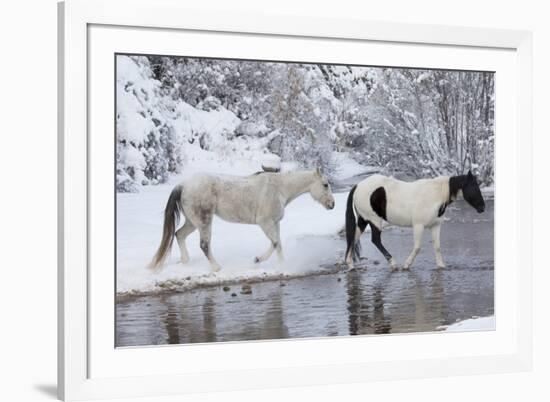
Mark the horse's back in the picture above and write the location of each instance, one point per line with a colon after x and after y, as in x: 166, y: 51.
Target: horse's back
x: 202, y: 180
x: 372, y: 183
x: 232, y: 198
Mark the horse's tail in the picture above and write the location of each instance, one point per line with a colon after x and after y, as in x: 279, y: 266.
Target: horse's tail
x: 171, y: 218
x: 351, y: 228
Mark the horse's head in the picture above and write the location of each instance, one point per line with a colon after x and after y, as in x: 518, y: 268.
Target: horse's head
x: 472, y: 193
x: 320, y: 190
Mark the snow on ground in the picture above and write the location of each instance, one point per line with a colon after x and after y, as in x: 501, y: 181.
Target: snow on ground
x: 308, y: 235
x: 488, y: 192
x: 471, y: 324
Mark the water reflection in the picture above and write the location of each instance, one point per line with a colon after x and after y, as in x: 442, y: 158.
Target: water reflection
x: 273, y: 324
x: 369, y: 300
x: 365, y: 301
x: 357, y: 306
x: 382, y: 324
x: 208, y: 319
x: 172, y: 325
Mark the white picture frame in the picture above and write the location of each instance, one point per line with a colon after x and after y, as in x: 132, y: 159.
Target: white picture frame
x: 88, y: 369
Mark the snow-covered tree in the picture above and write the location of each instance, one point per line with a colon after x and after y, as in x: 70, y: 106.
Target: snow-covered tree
x: 429, y: 122
x: 147, y: 147
x: 413, y: 122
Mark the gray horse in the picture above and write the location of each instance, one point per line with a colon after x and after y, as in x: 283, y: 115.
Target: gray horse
x: 257, y: 199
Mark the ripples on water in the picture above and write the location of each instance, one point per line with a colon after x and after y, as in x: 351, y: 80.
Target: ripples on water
x: 369, y: 300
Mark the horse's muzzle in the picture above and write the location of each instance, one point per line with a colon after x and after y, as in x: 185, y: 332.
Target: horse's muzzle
x: 330, y: 205
x: 481, y: 209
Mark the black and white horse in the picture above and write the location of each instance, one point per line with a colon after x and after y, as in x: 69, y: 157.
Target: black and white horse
x: 257, y: 199
x: 419, y: 204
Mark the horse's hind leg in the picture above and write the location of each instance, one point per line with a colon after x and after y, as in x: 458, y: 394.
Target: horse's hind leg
x: 181, y: 235
x: 361, y: 226
x: 272, y: 232
x: 205, y: 233
x: 266, y: 255
x: 354, y: 250
x: 200, y: 214
x: 376, y: 238
x: 417, y: 231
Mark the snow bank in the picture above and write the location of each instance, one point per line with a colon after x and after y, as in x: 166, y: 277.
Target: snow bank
x: 308, y: 235
x: 488, y: 192
x: 347, y: 167
x: 271, y: 162
x: 471, y: 324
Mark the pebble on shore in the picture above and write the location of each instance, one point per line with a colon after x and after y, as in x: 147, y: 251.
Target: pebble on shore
x: 246, y: 289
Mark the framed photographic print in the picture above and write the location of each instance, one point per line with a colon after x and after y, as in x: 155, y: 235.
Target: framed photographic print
x: 243, y: 198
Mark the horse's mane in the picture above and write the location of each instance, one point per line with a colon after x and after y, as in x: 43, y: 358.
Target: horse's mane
x: 262, y: 172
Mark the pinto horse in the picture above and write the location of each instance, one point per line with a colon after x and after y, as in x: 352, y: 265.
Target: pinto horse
x: 419, y: 204
x: 257, y: 199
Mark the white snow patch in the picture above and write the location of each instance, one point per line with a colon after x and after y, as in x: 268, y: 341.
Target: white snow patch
x: 471, y: 324
x: 347, y: 167
x: 271, y: 161
x: 488, y: 192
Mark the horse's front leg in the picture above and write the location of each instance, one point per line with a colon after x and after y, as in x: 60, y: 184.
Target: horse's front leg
x: 417, y: 232
x: 272, y: 231
x: 436, y: 231
x: 376, y: 238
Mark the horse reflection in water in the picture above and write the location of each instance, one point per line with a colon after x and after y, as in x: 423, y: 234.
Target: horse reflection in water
x: 359, y: 307
x: 183, y: 325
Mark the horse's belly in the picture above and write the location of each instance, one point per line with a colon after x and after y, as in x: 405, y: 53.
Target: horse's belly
x: 399, y: 218
x: 236, y: 215
x: 399, y: 212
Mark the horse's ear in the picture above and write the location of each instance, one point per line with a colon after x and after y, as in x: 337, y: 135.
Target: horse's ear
x: 318, y: 171
x: 470, y: 175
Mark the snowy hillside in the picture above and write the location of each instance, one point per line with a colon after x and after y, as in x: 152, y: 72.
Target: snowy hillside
x: 174, y: 113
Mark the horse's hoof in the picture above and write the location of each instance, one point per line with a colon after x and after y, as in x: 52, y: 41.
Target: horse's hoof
x: 216, y: 268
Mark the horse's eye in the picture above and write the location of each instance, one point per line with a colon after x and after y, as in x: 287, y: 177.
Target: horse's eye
x: 325, y: 185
